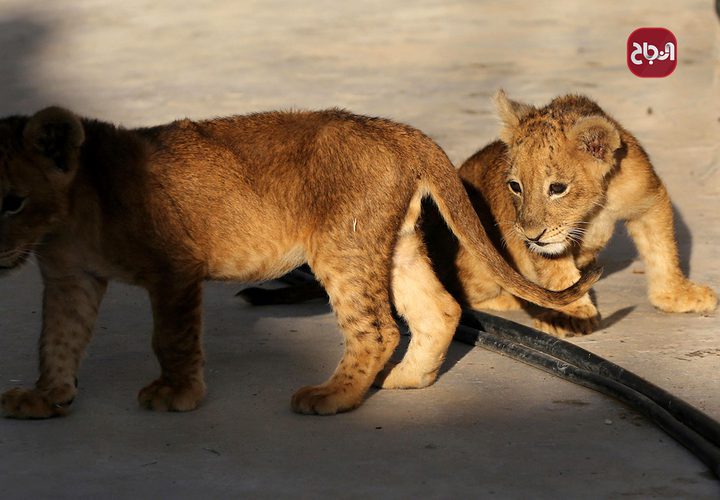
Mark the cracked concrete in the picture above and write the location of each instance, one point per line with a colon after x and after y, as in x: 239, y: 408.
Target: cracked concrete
x: 489, y: 426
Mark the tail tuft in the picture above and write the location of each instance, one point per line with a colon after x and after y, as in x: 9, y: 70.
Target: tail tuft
x: 589, y: 276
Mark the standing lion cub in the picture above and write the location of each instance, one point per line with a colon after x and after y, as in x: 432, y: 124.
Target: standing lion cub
x: 245, y: 198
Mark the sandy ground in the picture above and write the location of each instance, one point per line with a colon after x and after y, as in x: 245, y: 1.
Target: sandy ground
x: 489, y: 427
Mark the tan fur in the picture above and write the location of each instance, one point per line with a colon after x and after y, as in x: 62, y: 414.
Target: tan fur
x: 245, y: 198
x: 609, y: 178
x: 428, y: 308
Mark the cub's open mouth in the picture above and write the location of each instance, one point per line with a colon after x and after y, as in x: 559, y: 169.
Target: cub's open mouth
x: 547, y: 247
x: 542, y: 244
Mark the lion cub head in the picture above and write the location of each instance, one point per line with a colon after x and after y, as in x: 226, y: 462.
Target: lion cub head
x: 38, y: 160
x: 559, y: 158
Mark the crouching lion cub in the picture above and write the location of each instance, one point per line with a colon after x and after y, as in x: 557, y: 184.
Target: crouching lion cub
x: 245, y: 198
x: 555, y: 185
x: 549, y: 194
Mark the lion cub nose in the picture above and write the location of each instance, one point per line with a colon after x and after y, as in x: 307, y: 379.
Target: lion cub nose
x: 536, y: 238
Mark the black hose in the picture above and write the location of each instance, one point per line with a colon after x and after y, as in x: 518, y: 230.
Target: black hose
x: 575, y: 355
x: 505, y: 337
x: 690, y: 427
x: 299, y: 275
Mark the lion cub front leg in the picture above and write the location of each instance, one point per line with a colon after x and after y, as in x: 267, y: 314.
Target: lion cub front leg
x: 177, y: 314
x: 596, y: 237
x: 668, y: 289
x: 70, y: 306
x: 580, y: 317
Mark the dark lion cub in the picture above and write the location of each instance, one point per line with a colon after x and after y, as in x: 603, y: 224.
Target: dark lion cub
x: 245, y: 198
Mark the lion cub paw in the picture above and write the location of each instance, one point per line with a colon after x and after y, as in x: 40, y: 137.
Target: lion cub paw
x: 324, y: 399
x: 561, y: 325
x: 688, y: 297
x: 37, y: 403
x: 162, y: 396
x: 403, y: 376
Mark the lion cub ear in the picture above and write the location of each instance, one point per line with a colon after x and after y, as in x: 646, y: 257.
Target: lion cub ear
x: 510, y: 113
x: 57, y: 134
x: 596, y: 136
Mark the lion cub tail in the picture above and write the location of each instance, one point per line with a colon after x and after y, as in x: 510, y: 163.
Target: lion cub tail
x: 454, y: 205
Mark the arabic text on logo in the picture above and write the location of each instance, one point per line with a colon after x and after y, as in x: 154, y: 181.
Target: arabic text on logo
x: 652, y: 52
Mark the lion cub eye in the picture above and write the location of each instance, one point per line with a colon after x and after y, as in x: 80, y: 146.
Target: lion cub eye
x: 557, y: 188
x: 13, y: 204
x: 515, y: 187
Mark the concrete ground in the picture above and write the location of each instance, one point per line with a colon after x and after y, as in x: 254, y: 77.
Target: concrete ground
x: 489, y: 427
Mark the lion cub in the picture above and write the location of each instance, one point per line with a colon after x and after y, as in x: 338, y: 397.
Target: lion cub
x: 245, y: 198
x: 555, y: 184
x: 549, y: 194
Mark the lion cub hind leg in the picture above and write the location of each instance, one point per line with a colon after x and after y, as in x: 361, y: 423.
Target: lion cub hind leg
x: 357, y: 284
x: 177, y: 314
x: 430, y: 311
